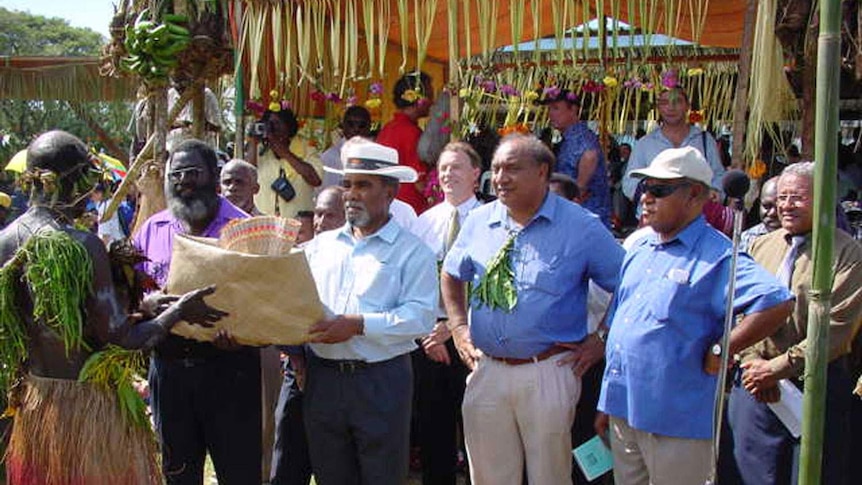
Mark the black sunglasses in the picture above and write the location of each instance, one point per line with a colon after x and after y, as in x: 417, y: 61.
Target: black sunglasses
x: 660, y: 191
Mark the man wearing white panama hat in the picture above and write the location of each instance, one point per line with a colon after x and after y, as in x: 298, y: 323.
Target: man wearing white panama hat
x: 378, y: 284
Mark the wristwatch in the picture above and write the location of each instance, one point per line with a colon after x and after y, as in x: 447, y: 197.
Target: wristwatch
x: 715, y: 349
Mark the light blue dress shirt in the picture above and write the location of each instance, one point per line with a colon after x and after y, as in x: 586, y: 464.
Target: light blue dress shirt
x: 648, y: 147
x: 389, y: 277
x: 556, y: 254
x: 668, y: 311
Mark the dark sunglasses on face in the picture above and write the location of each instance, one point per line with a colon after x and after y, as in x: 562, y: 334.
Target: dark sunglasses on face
x: 660, y: 191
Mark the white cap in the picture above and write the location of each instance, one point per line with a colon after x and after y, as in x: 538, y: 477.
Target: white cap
x: 359, y: 155
x: 676, y: 163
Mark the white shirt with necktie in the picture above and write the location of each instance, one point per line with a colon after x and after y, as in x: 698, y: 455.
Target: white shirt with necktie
x: 434, y: 227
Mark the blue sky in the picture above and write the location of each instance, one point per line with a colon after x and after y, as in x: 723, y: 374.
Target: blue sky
x: 95, y: 14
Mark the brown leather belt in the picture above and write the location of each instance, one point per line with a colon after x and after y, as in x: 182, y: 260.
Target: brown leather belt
x: 547, y: 354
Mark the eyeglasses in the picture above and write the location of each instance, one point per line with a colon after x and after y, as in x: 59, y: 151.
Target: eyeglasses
x: 793, y: 199
x: 190, y: 172
x: 660, y: 191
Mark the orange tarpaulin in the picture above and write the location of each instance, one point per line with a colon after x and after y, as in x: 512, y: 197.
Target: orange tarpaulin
x: 723, y: 26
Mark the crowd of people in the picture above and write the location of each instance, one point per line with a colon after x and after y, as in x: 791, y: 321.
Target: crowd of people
x: 511, y: 325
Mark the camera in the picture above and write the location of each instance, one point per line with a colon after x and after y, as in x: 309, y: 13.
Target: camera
x: 257, y: 129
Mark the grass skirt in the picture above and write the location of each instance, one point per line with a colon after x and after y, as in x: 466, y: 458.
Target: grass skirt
x: 68, y: 433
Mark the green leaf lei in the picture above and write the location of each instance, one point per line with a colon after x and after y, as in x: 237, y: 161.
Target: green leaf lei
x: 496, y: 288
x: 59, y: 272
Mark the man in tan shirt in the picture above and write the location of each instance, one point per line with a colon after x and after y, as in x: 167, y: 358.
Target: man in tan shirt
x: 764, y: 449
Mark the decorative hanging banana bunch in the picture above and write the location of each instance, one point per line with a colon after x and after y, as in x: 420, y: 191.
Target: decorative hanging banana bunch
x: 153, y: 47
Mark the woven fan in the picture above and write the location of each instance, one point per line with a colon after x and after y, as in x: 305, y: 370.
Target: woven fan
x: 263, y: 235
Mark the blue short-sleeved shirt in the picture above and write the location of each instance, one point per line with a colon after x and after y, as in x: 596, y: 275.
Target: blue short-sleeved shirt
x: 577, y: 139
x: 668, y: 310
x: 555, y: 255
x: 648, y: 147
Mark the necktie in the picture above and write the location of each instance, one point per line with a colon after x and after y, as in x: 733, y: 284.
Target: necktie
x: 454, y: 228
x: 785, y: 272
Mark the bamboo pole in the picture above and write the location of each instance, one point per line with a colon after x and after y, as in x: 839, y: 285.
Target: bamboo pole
x: 239, y: 100
x: 740, y: 102
x: 454, y: 54
x: 825, y: 152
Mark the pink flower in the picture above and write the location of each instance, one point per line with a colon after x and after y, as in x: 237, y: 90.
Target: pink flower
x: 509, y: 90
x: 633, y: 83
x: 489, y: 86
x: 333, y: 97
x: 255, y: 106
x: 376, y: 88
x: 670, y: 79
x: 551, y: 92
x: 351, y: 100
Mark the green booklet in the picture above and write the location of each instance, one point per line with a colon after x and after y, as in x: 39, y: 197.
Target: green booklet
x: 594, y: 458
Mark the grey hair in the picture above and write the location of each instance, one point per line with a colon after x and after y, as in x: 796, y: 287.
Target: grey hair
x: 240, y: 163
x: 335, y: 189
x: 800, y: 169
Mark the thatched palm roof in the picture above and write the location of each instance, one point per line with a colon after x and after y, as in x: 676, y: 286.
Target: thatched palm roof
x: 61, y: 78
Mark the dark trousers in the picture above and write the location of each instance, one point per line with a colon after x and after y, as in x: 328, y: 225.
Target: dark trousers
x: 210, y: 405
x: 357, y: 420
x: 291, y: 464
x: 583, y: 428
x: 439, y: 392
x: 766, y: 453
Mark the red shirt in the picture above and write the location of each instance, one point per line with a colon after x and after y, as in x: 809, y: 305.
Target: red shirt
x: 403, y: 134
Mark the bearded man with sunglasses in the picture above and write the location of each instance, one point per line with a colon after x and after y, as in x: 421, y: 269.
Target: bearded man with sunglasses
x: 666, y: 324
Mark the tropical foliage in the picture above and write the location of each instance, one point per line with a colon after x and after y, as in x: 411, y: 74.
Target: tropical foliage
x: 25, y: 34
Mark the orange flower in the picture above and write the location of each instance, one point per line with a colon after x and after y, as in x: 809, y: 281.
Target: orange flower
x: 516, y: 128
x: 756, y: 169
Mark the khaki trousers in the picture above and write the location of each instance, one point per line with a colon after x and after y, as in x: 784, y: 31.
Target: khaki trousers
x: 642, y: 458
x: 520, y: 414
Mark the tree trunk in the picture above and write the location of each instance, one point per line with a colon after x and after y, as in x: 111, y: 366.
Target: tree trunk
x: 809, y: 87
x: 110, y: 144
x: 199, y: 116
x: 151, y: 192
x: 740, y: 107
